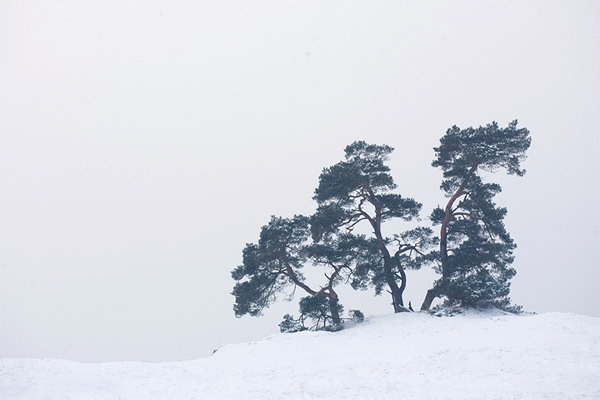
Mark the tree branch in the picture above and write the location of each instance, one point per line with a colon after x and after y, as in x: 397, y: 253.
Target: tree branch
x: 465, y: 214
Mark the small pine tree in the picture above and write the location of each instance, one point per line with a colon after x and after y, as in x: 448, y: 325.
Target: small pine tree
x: 291, y: 325
x: 282, y: 252
x: 271, y: 265
x: 356, y: 316
x: 317, y: 309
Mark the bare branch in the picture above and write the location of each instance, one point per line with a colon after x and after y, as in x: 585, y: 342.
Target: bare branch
x: 351, y: 226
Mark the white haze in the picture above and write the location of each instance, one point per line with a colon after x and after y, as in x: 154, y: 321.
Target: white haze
x: 143, y: 143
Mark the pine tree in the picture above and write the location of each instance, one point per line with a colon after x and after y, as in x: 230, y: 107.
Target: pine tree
x: 271, y: 265
x: 360, y: 189
x: 276, y: 263
x: 475, y: 251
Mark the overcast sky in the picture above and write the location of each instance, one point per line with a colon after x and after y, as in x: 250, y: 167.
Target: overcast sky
x: 143, y: 143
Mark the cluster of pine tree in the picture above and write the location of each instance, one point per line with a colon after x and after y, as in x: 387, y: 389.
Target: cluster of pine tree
x: 472, y: 254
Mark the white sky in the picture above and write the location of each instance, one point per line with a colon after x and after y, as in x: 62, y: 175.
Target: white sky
x: 143, y: 143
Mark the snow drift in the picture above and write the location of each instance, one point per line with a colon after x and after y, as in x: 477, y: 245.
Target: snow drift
x: 408, y: 356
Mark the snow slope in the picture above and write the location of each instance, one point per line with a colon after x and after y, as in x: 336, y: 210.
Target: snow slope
x: 408, y: 356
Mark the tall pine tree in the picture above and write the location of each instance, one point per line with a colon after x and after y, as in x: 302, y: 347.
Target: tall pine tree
x: 475, y: 251
x: 360, y: 189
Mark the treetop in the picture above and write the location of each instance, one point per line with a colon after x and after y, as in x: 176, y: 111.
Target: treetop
x: 463, y: 151
x: 364, y: 169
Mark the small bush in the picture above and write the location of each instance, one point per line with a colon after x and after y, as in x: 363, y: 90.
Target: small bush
x: 357, y: 316
x: 289, y: 324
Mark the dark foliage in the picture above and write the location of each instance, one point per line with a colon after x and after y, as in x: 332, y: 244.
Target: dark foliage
x: 271, y: 265
x: 317, y: 310
x: 356, y: 316
x: 359, y: 190
x: 275, y: 264
x: 476, y: 251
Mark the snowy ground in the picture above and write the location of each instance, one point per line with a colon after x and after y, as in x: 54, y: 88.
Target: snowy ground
x: 408, y: 356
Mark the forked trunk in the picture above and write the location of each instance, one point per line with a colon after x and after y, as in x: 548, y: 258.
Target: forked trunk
x: 390, y: 279
x: 396, y: 291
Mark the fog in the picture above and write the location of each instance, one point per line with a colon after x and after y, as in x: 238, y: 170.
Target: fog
x: 142, y: 144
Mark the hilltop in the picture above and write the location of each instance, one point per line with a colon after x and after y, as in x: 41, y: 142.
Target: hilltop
x: 476, y: 355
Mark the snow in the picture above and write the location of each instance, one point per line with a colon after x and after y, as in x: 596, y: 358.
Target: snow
x: 477, y: 355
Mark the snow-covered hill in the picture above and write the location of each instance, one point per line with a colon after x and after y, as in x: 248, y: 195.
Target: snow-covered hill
x: 404, y: 356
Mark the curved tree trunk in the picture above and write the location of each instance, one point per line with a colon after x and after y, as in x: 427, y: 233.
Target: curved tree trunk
x: 390, y: 279
x: 332, y: 295
x: 401, y: 307
x: 396, y: 291
x: 431, y: 294
x: 402, y: 277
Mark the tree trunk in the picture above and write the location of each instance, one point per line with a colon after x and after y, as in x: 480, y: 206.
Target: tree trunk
x: 332, y: 295
x: 428, y: 300
x: 335, y: 315
x: 390, y: 279
x: 397, y: 301
x: 403, y: 279
x: 444, y: 237
x: 387, y: 259
x: 447, y: 217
